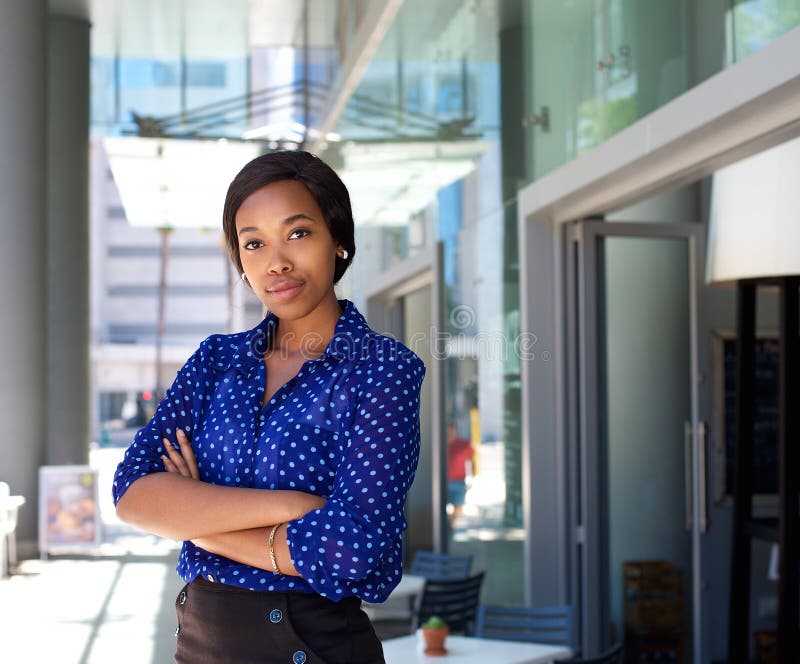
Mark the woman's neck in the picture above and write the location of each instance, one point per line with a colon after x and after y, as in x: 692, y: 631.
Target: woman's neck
x: 310, y: 335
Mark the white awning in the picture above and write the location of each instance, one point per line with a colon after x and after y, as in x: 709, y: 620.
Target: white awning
x: 175, y: 183
x: 755, y: 217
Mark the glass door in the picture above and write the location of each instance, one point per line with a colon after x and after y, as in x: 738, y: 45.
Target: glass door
x: 415, y: 310
x: 637, y: 446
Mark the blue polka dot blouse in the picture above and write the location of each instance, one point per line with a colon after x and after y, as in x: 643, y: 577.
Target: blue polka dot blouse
x: 346, y: 427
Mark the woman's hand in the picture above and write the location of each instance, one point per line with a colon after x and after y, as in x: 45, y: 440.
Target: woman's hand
x: 182, y: 462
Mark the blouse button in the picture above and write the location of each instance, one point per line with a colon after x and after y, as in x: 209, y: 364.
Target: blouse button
x: 299, y: 657
x: 275, y: 616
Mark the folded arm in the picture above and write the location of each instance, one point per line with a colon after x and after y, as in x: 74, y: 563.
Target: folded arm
x: 243, y: 543
x: 175, y: 504
x: 250, y: 547
x: 182, y: 508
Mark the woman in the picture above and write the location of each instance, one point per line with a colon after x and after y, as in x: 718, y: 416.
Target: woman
x: 288, y: 449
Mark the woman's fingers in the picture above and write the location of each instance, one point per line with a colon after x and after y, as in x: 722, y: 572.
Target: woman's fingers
x: 188, y: 454
x: 183, y: 460
x: 176, y: 459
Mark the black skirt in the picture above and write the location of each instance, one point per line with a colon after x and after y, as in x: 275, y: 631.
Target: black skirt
x: 219, y: 624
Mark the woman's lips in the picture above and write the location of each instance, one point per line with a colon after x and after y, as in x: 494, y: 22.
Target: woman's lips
x: 285, y: 291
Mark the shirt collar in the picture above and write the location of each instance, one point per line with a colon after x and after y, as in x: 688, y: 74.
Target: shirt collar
x: 349, y: 338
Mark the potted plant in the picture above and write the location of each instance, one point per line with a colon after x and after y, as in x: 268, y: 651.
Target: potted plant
x: 435, y: 631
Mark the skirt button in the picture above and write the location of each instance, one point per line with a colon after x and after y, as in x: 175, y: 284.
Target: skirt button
x: 276, y: 615
x: 299, y: 657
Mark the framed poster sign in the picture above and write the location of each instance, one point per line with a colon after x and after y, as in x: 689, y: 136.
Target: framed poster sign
x: 69, y: 514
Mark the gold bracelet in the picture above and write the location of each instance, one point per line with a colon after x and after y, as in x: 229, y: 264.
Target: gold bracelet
x: 272, y: 549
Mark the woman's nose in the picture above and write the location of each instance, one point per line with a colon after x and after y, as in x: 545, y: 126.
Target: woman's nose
x: 278, y: 262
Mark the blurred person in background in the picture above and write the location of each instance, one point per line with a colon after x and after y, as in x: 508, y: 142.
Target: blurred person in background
x: 459, y: 465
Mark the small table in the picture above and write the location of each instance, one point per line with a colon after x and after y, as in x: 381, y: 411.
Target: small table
x: 398, y: 604
x: 471, y: 650
x: 410, y: 585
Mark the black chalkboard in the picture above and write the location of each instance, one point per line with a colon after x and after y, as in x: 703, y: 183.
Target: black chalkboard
x: 765, y: 431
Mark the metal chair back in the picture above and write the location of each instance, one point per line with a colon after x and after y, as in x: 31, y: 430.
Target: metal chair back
x: 541, y: 624
x: 440, y: 565
x: 453, y: 600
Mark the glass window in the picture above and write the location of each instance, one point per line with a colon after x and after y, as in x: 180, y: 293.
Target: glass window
x: 138, y: 73
x: 206, y: 74
x: 125, y: 410
x: 755, y: 23
x: 594, y: 69
x: 483, y: 437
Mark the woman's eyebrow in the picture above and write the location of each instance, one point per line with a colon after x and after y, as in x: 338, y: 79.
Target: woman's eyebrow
x: 297, y: 217
x: 285, y: 222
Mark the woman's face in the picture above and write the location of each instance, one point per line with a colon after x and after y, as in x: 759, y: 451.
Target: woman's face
x: 286, y: 249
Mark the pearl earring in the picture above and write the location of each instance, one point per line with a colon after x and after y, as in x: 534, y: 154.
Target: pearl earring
x: 344, y: 254
x: 244, y: 277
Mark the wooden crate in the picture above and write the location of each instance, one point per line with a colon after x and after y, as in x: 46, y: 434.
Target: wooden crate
x: 654, y: 646
x: 653, y: 595
x: 766, y: 646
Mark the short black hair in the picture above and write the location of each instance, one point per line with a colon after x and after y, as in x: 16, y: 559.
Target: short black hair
x: 322, y: 183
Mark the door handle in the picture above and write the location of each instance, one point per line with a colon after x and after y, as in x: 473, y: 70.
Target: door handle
x: 687, y: 473
x: 702, y: 431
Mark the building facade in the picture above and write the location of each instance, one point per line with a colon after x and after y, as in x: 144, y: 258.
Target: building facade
x: 538, y: 188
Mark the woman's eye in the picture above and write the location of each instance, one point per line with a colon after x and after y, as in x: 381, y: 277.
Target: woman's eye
x: 299, y: 232
x: 252, y: 244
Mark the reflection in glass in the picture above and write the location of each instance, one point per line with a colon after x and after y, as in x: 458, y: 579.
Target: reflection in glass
x: 754, y: 24
x: 645, y: 397
x: 598, y: 67
x: 482, y: 411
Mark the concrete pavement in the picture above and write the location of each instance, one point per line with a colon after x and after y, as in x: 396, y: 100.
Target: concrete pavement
x: 114, y: 606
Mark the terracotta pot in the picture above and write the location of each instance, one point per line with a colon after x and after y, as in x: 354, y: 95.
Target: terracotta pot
x: 434, y: 640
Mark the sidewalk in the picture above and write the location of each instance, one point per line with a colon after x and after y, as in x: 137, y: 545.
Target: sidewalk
x: 115, y: 606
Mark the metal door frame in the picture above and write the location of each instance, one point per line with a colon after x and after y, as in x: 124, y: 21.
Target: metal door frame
x: 582, y: 300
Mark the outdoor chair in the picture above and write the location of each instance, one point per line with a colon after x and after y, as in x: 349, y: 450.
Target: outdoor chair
x: 425, y: 564
x: 8, y: 525
x: 453, y: 600
x: 440, y: 565
x: 613, y: 655
x: 540, y: 624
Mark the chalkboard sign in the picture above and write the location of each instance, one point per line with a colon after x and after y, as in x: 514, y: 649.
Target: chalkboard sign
x: 766, y: 428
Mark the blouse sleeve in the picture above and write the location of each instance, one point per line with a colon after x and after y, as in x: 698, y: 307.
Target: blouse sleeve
x: 354, y: 540
x: 175, y: 411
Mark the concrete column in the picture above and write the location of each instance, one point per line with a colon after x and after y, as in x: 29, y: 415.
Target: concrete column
x: 68, y: 389
x: 23, y: 251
